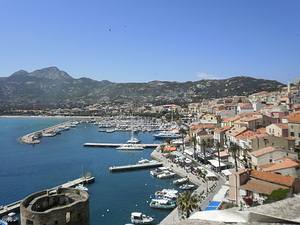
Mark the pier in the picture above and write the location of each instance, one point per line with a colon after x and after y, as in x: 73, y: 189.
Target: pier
x: 34, y: 137
x: 135, y: 167
x: 15, y: 205
x: 115, y: 145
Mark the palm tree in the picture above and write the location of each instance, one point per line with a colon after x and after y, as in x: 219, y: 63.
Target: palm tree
x: 187, y: 203
x: 202, y: 174
x: 203, y: 148
x: 234, y: 148
x: 183, y: 132
x: 217, y: 144
x: 194, y: 140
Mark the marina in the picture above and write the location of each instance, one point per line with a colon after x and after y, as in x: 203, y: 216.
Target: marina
x: 116, y: 145
x: 15, y: 206
x: 135, y: 166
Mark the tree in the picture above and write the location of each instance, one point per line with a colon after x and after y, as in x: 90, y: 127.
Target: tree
x: 187, y: 202
x: 234, y: 148
x: 203, y: 148
x: 194, y: 140
x: 202, y: 174
x: 217, y: 144
x: 277, y: 195
x: 183, y: 132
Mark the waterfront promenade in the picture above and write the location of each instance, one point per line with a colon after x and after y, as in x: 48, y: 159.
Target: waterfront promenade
x: 174, y: 217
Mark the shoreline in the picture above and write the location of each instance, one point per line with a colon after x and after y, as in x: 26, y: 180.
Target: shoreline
x: 173, y: 217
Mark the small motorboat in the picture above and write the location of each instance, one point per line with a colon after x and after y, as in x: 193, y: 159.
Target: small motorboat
x: 162, y: 204
x: 181, y: 181
x: 187, y: 187
x: 140, y: 218
x: 81, y: 187
x: 166, y: 175
x: 11, y: 219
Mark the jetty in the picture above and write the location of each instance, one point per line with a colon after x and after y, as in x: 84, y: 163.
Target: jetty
x: 34, y: 137
x: 138, y: 166
x: 116, y: 145
x: 16, y: 205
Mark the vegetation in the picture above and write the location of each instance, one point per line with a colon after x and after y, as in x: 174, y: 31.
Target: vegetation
x: 51, y: 87
x: 234, y: 149
x: 277, y: 195
x: 187, y: 202
x: 203, y: 148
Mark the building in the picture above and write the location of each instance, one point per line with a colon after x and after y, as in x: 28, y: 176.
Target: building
x: 254, y: 186
x: 294, y: 127
x: 284, y: 166
x: 278, y: 130
x: 64, y: 206
x: 244, y: 108
x: 269, y: 155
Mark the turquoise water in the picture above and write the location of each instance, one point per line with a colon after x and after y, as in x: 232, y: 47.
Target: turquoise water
x: 25, y: 169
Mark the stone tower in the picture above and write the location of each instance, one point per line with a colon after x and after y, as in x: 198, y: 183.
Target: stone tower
x: 64, y: 206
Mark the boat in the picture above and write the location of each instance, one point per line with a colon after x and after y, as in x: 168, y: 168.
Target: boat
x: 181, y: 181
x: 158, y: 171
x: 166, y: 175
x: 11, y: 218
x: 140, y: 218
x: 48, y: 134
x: 110, y: 130
x: 167, y: 194
x: 130, y: 147
x: 81, y: 187
x: 143, y: 161
x: 166, y: 135
x: 133, y: 140
x: 162, y: 204
x: 187, y: 187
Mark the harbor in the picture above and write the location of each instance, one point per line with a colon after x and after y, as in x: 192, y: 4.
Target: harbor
x: 116, y: 145
x: 138, y: 166
x: 35, y: 137
x: 15, y: 205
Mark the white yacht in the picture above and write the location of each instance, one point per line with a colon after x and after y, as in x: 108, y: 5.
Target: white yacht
x: 133, y: 140
x: 181, y: 181
x: 167, y: 194
x: 81, y: 187
x: 166, y: 175
x: 187, y: 186
x: 11, y: 218
x: 130, y: 147
x: 166, y: 135
x: 139, y: 218
x: 158, y: 171
x: 162, y: 204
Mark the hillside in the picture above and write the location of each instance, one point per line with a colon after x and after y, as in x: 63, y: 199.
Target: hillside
x: 51, y: 87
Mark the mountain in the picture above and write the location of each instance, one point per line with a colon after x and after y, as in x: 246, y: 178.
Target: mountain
x: 52, y: 87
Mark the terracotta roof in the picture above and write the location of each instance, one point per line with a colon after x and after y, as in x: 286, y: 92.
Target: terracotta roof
x: 284, y: 163
x: 294, y: 117
x: 273, y: 178
x: 222, y: 129
x: 231, y: 119
x: 222, y: 153
x: 260, y: 186
x: 251, y: 134
x: 234, y: 131
x: 265, y: 150
x: 203, y: 126
x: 245, y: 105
x: 280, y: 125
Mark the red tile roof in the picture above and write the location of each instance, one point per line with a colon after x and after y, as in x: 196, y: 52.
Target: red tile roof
x: 273, y: 178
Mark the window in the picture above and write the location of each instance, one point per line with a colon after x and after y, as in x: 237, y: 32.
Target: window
x: 292, y: 134
x: 298, y: 135
x: 68, y: 217
x: 29, y: 222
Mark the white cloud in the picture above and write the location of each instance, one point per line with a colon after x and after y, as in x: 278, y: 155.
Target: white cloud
x: 207, y: 76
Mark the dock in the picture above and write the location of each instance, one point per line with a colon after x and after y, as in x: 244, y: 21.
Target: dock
x: 135, y: 167
x: 16, y: 205
x: 115, y: 145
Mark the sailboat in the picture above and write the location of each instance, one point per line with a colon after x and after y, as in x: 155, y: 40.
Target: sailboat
x: 133, y: 140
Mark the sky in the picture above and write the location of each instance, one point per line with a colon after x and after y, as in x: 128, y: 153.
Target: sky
x: 145, y: 40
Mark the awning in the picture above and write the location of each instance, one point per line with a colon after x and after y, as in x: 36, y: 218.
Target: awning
x: 215, y: 163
